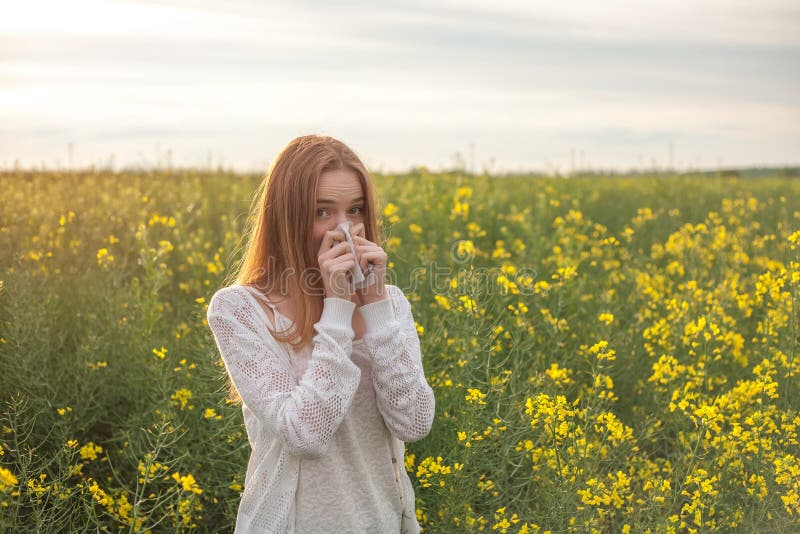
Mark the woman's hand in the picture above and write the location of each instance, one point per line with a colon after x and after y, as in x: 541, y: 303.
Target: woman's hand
x: 336, y: 264
x: 369, y: 253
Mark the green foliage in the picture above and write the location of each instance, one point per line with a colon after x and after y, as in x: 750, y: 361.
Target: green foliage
x: 607, y: 353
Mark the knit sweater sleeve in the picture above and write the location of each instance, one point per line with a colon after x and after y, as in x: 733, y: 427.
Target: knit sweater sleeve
x: 304, y: 414
x: 405, y: 400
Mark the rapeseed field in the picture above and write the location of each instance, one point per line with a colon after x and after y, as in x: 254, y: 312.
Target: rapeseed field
x: 608, y: 354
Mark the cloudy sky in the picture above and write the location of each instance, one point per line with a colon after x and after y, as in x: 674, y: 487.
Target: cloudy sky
x: 505, y: 84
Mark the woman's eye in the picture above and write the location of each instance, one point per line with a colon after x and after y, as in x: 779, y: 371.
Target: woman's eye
x: 321, y: 212
x: 356, y: 209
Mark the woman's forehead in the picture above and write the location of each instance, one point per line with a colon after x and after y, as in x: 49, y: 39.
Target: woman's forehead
x: 338, y: 186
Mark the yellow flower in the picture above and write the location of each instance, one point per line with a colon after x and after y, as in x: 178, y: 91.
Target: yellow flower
x: 409, y: 462
x: 500, y: 251
x: 442, y: 301
x: 90, y: 451
x: 7, y: 478
x: 211, y: 413
x: 469, y: 303
x: 66, y: 218
x: 161, y: 219
x: 794, y: 239
x: 461, y: 204
x: 103, y: 257
x: 606, y: 317
x: 187, y: 482
x: 542, y: 286
x: 390, y: 212
x: 181, y: 398
x: 431, y: 468
x: 506, y: 285
x: 475, y: 395
x: 559, y: 375
x: 465, y: 250
x: 464, y: 192
x: 602, y: 352
x: 160, y: 354
x: 565, y: 273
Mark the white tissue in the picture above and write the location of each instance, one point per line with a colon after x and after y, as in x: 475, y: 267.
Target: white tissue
x: 359, y: 279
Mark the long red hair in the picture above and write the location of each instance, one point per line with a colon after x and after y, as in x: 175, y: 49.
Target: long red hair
x: 279, y: 256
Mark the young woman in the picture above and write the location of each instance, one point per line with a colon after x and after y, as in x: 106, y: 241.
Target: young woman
x: 329, y: 372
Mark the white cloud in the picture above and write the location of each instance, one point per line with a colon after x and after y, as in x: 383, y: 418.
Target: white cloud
x: 769, y: 22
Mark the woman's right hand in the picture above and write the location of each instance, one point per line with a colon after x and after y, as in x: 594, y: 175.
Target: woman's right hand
x: 336, y: 264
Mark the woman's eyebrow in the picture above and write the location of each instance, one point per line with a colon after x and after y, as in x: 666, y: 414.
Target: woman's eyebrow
x: 329, y: 201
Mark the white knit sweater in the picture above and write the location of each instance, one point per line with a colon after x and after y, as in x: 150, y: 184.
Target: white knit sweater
x: 315, y: 408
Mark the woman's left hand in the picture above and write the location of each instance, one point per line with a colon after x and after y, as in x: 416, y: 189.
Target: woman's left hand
x: 367, y: 253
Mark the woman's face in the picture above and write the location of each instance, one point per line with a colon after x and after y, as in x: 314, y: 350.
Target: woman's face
x: 339, y: 198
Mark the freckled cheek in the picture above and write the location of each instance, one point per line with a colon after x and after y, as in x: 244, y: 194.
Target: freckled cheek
x: 317, y: 238
x: 318, y: 234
